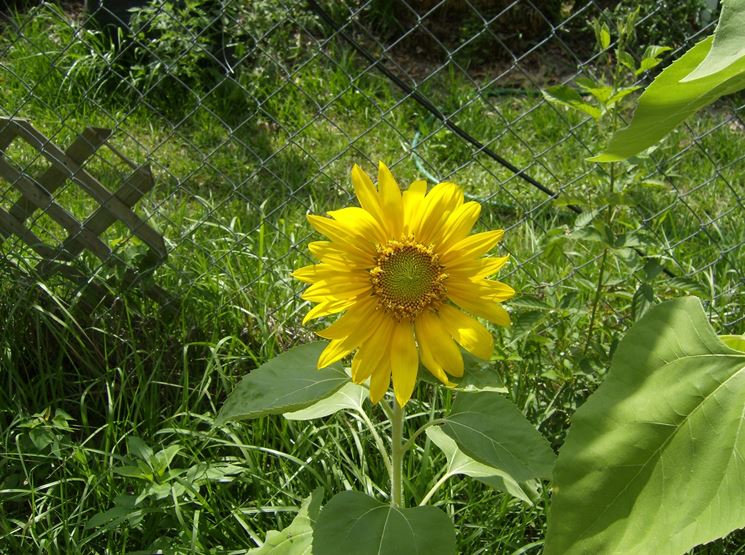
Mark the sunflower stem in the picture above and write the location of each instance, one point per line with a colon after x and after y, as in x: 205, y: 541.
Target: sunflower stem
x: 397, y: 452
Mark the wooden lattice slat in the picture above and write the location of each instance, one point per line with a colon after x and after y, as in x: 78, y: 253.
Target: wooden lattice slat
x: 39, y: 195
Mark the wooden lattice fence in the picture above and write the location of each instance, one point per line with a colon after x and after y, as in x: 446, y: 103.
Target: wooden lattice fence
x: 82, y: 234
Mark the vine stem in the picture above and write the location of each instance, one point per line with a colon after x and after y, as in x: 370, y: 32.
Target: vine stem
x: 397, y: 452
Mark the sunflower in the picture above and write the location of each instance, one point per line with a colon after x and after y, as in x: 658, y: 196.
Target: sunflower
x: 403, y: 269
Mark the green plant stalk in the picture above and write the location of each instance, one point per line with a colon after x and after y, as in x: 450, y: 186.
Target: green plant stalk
x: 397, y: 452
x: 596, y: 300
x: 609, y: 221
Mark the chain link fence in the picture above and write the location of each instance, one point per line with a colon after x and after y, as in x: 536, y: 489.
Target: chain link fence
x: 247, y: 115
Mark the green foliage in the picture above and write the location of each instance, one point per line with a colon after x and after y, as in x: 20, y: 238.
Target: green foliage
x: 728, y: 46
x: 171, y: 45
x: 297, y: 538
x: 652, y: 461
x: 662, y: 21
x: 287, y: 383
x: 350, y: 397
x: 352, y: 522
x: 460, y: 463
x: 667, y: 102
x: 491, y: 430
x: 232, y: 202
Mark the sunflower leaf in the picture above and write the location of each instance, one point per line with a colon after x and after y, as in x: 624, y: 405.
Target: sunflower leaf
x: 490, y: 429
x: 668, y: 101
x: 288, y: 382
x: 653, y: 459
x: 297, y: 538
x: 736, y: 342
x: 460, y: 463
x: 355, y: 524
x: 729, y: 46
x: 350, y: 397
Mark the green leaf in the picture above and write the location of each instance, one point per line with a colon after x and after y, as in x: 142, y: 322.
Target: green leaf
x: 667, y: 102
x: 651, y: 58
x: 653, y: 459
x: 567, y: 96
x: 355, y: 524
x: 621, y: 93
x: 523, y: 323
x: 729, y: 44
x: 130, y: 471
x: 601, y: 92
x: 350, y: 397
x: 162, y: 459
x: 460, y: 463
x: 641, y: 302
x: 297, y: 538
x: 286, y: 383
x: 736, y: 342
x: 603, y: 36
x: 138, y: 448
x: 124, y: 510
x: 491, y: 430
x: 626, y: 59
x: 687, y: 285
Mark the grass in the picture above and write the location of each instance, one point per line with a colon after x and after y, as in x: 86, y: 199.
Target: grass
x: 237, y: 166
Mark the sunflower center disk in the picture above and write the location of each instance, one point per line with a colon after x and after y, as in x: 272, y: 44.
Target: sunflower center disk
x: 407, y: 279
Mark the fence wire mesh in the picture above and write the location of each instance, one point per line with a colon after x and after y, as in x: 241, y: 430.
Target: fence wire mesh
x: 251, y: 114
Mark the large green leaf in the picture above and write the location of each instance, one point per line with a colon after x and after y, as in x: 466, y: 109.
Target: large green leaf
x: 460, y: 463
x: 490, y: 429
x: 654, y: 460
x: 350, y: 397
x: 667, y: 102
x: 286, y: 383
x: 297, y: 538
x: 729, y: 41
x: 354, y: 524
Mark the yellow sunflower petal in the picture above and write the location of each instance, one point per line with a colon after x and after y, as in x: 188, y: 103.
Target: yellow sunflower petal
x: 336, y: 350
x: 440, y: 346
x: 404, y: 362
x: 459, y: 224
x: 481, y: 290
x: 364, y: 363
x: 477, y: 269
x: 342, y: 236
x: 366, y: 194
x: 412, y: 201
x: 432, y: 366
x: 469, y: 332
x: 491, y: 310
x: 350, y: 323
x: 360, y: 223
x: 326, y: 308
x: 336, y: 290
x: 436, y: 206
x: 341, y: 345
x: 329, y: 273
x: 390, y: 200
x: 380, y: 380
x: 372, y: 352
x: 472, y: 246
x: 331, y: 253
x: 306, y: 274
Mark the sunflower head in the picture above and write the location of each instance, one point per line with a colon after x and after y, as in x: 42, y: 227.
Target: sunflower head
x: 409, y: 279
